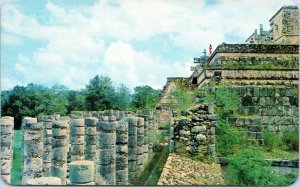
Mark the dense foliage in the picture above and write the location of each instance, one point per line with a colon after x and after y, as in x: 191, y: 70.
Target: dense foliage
x: 100, y: 94
x: 145, y: 97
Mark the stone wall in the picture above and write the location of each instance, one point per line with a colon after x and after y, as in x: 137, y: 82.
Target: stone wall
x: 275, y: 108
x: 285, y: 25
x: 254, y: 53
x: 194, y: 131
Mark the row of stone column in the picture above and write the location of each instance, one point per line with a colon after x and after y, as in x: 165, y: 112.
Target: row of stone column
x: 117, y: 147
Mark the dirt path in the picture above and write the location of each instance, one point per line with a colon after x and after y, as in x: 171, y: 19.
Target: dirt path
x: 184, y: 171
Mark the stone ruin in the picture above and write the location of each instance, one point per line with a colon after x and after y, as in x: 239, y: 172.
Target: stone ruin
x: 88, y: 148
x: 194, y: 131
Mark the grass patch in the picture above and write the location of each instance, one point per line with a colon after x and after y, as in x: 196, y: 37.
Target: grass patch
x: 291, y: 139
x: 16, y: 173
x: 271, y: 140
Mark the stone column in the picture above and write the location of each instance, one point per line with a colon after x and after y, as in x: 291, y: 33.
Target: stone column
x: 140, y: 143
x: 24, y: 121
x: 90, y: 138
x: 77, y: 139
x: 106, y: 153
x: 146, y: 140
x: 121, y: 115
x: 132, y: 147
x: 6, y: 154
x: 33, y: 150
x: 59, y: 150
x: 82, y: 172
x: 172, y: 143
x: 47, y: 141
x: 122, y: 153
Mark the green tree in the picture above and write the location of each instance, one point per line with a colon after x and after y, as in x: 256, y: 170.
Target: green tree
x: 34, y: 100
x: 76, y: 100
x: 145, y: 97
x: 100, y: 93
x: 123, y: 98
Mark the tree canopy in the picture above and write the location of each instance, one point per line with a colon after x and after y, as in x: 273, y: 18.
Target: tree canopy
x: 99, y: 94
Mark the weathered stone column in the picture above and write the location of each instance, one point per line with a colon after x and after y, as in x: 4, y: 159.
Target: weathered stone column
x: 98, y: 177
x: 77, y: 139
x: 33, y: 150
x: 172, y: 143
x: 146, y: 140
x: 24, y: 121
x: 140, y: 143
x: 59, y: 150
x: 90, y: 138
x: 82, y: 172
x: 6, y: 154
x: 47, y: 141
x: 106, y: 153
x: 121, y: 115
x: 122, y: 153
x: 132, y: 147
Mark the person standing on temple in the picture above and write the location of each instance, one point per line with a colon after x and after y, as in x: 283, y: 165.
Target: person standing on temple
x: 210, y: 50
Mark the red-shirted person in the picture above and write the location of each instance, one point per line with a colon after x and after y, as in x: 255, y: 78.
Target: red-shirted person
x: 210, y: 49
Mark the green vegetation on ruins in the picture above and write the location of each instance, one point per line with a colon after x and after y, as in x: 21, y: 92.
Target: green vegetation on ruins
x: 247, y: 158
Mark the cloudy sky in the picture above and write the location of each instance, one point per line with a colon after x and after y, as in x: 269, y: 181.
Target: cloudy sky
x: 135, y: 42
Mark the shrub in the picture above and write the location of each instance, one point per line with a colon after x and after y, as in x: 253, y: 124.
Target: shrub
x: 230, y: 139
x: 248, y: 168
x: 271, y: 140
x: 226, y: 102
x: 291, y: 139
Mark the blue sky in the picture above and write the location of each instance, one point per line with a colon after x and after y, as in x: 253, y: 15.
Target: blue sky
x: 134, y: 42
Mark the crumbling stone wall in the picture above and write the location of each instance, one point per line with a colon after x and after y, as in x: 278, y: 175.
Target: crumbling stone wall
x: 194, y: 131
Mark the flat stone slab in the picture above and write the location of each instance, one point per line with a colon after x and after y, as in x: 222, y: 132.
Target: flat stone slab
x: 81, y: 171
x: 44, y: 181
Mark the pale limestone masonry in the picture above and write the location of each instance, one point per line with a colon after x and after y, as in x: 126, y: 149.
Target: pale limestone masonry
x: 6, y: 154
x: 44, y: 181
x: 107, y: 150
x: 195, y: 131
x: 33, y: 150
x: 90, y: 138
x: 59, y: 150
x: 77, y: 132
x: 285, y: 25
x: 24, y: 121
x: 82, y: 172
x: 140, y: 143
x: 122, y: 153
x: 47, y: 142
x: 132, y: 147
x: 146, y: 140
x: 106, y: 154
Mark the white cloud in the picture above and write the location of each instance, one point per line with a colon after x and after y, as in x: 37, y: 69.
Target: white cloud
x: 10, y: 39
x: 126, y: 65
x: 77, y: 40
